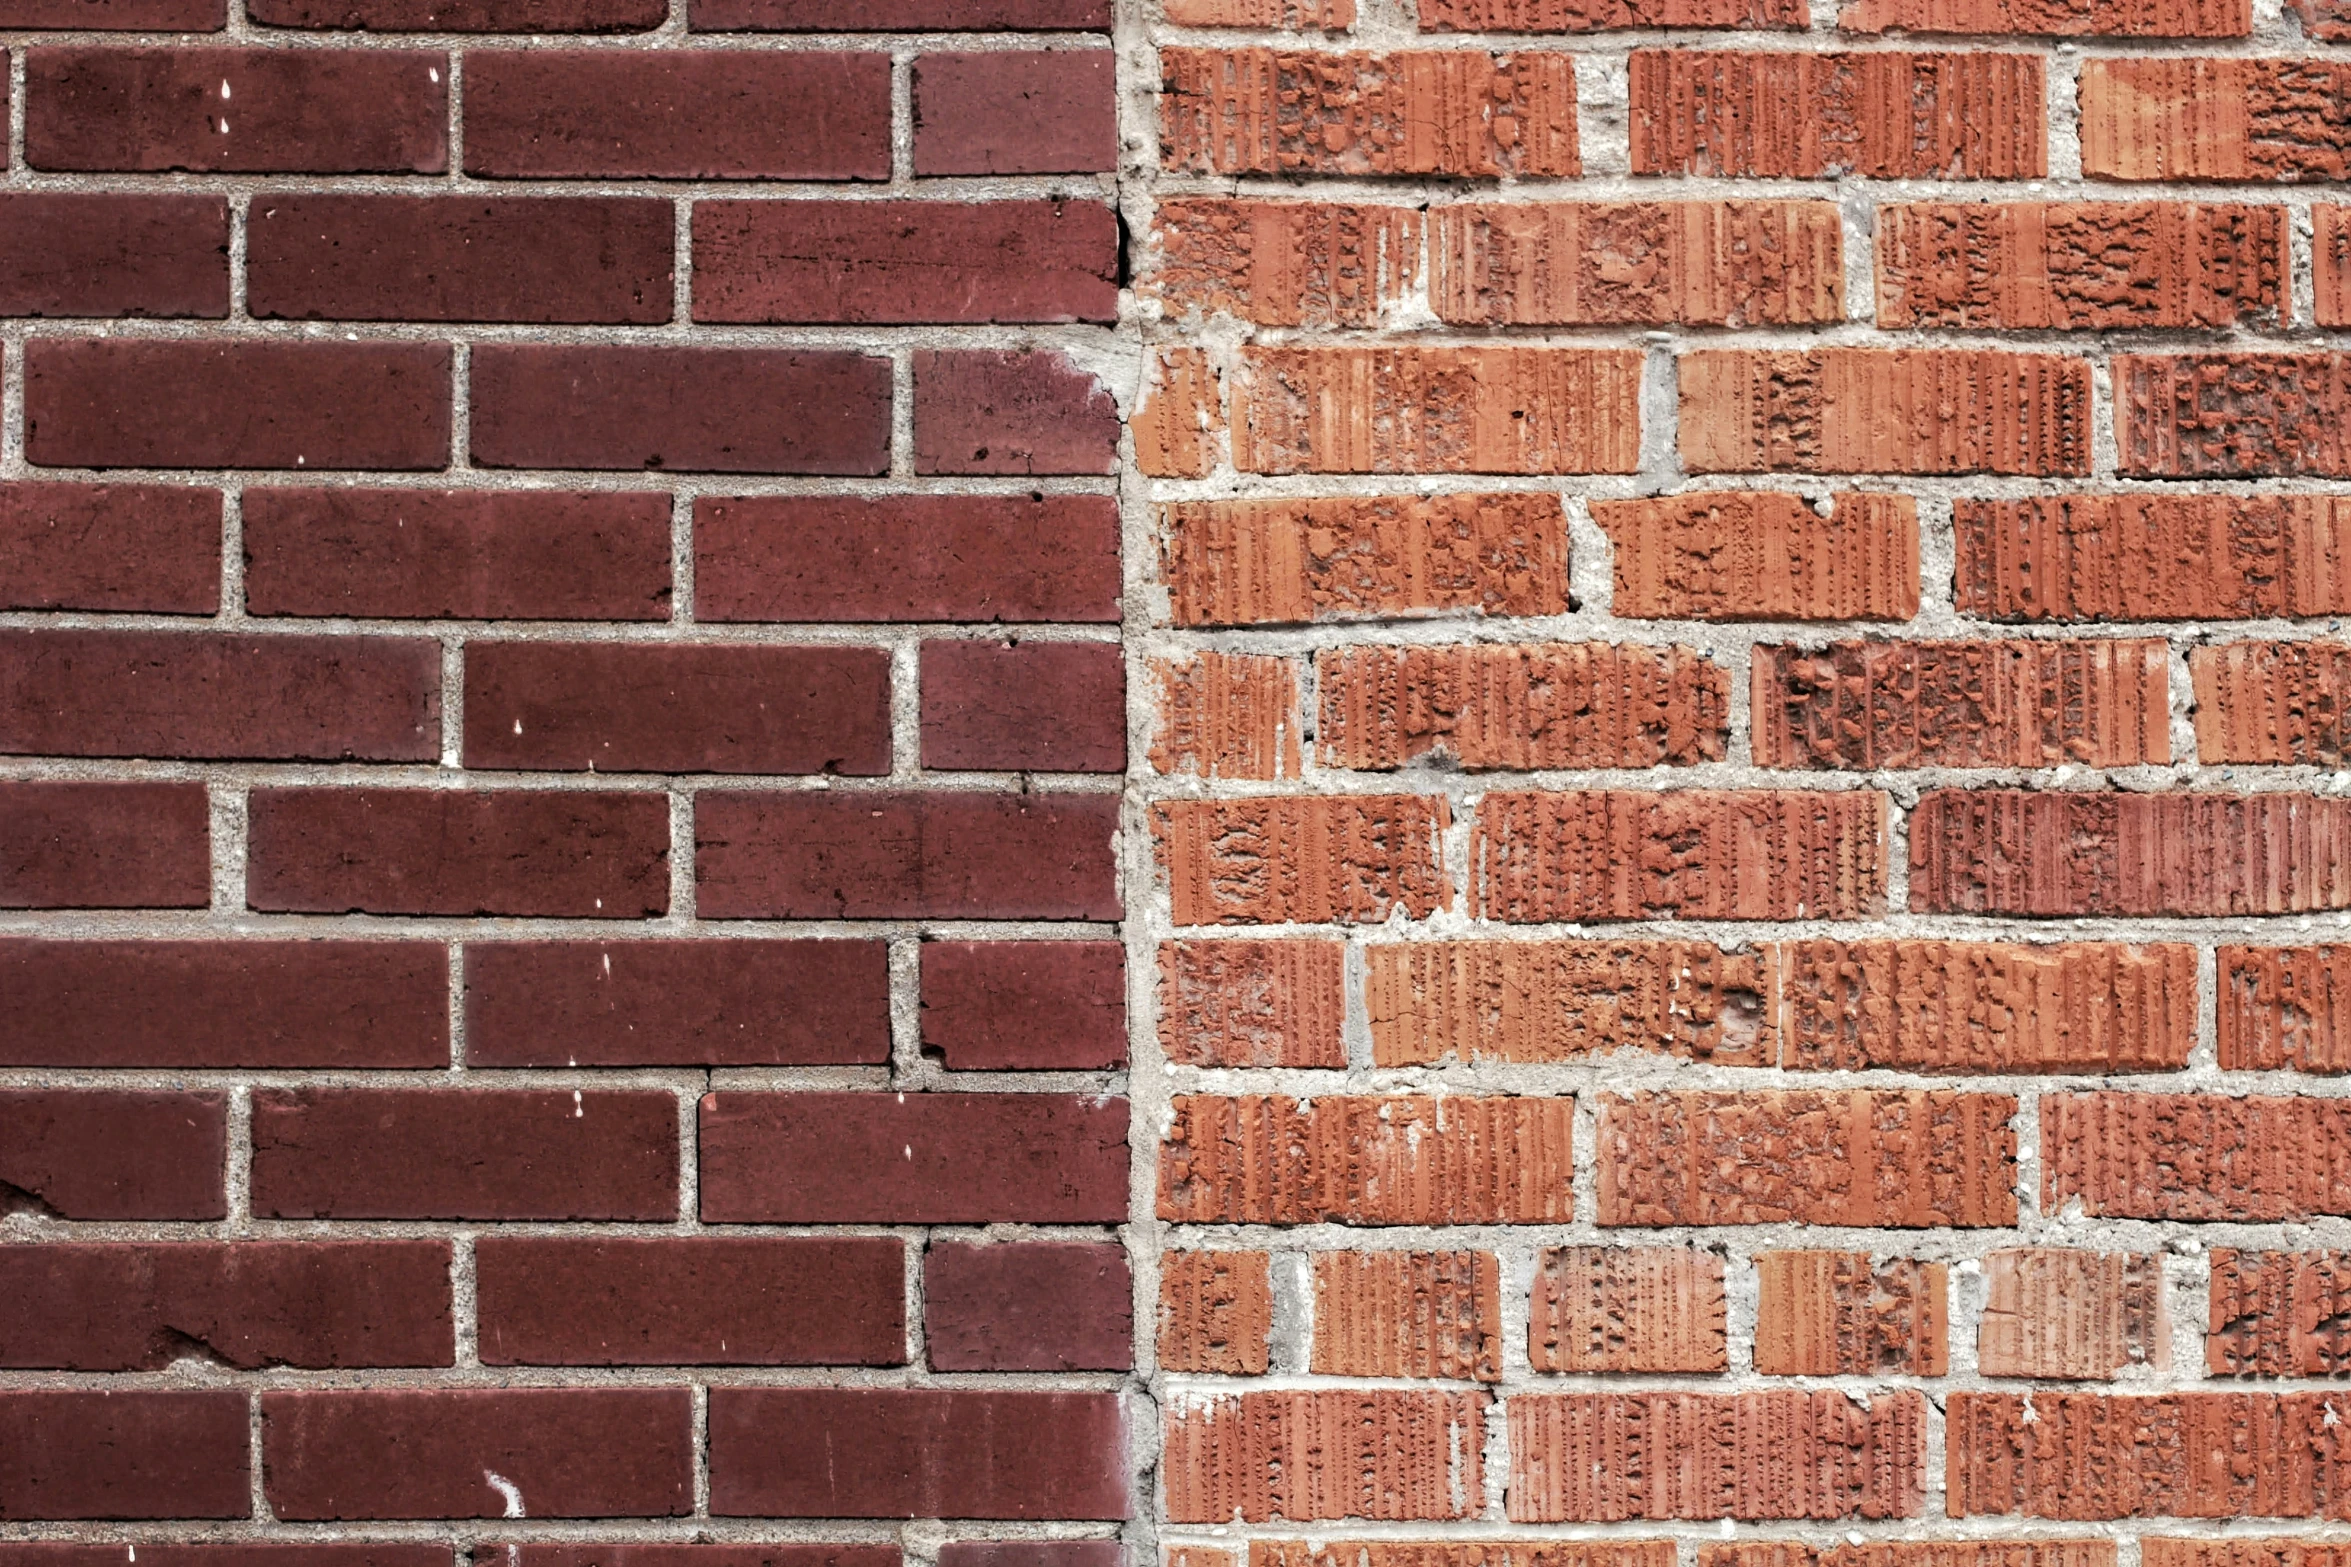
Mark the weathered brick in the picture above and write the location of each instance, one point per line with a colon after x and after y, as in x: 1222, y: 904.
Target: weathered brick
x: 2156, y: 118
x: 948, y: 16
x: 1408, y: 1314
x: 1253, y: 1003
x: 464, y: 16
x: 2233, y: 415
x: 2079, y: 265
x: 1057, y: 707
x: 1627, y: 1308
x: 1024, y: 1005
x: 1604, y: 16
x: 1518, y: 1552
x: 1831, y: 1313
x: 1763, y: 556
x: 74, y: 1154
x: 107, y: 254
x: 1307, y: 1455
x: 1284, y: 15
x: 2279, y: 1314
x: 2327, y: 21
x: 2273, y: 703
x: 2067, y: 1315
x: 1215, y: 1312
x: 1015, y: 111
x: 1014, y: 411
x: 1028, y: 1306
x: 1285, y: 263
x: 1227, y: 715
x: 105, y: 845
x: 2239, y: 1551
x: 1913, y: 1553
x: 2154, y: 557
x: 2330, y: 252
x: 125, y: 548
x: 2195, y: 1156
x: 130, y: 16
x: 2284, y: 1007
x: 245, y: 1552
x: 130, y: 1453
x: 1314, y: 860
x: 2063, y: 18
x: 1179, y: 418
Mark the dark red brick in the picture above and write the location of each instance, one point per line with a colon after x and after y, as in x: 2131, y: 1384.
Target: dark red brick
x: 445, y: 851
x: 890, y: 855
x: 1015, y: 112
x: 105, y: 846
x: 395, y: 1453
x: 248, y: 1304
x: 127, y: 16
x: 1010, y: 411
x: 313, y: 256
x: 79, y: 1155
x: 430, y: 554
x: 613, y: 707
x: 69, y: 254
x: 803, y: 1553
x: 1011, y: 558
x: 1028, y: 1306
x: 228, y: 1553
x: 1020, y: 1553
x: 237, y: 111
x: 124, y: 548
x: 857, y: 1158
x: 200, y: 1004
x: 123, y: 1455
x: 1038, y: 1006
x: 916, y: 1453
x: 904, y: 261
x: 422, y: 1153
x: 464, y: 16
x: 92, y: 403
x: 677, y: 1003
x: 912, y: 16
x: 1056, y: 707
x: 639, y: 114
x: 703, y: 1300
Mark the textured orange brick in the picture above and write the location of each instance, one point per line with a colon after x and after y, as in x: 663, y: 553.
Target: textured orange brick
x: 1763, y: 556
x: 1179, y: 429
x: 2326, y: 21
x: 1215, y: 1312
x: 1872, y: 410
x: 1603, y: 16
x: 1197, y: 1556
x: 1464, y: 1553
x: 1531, y: 1001
x: 1713, y: 263
x: 1287, y: 15
x: 1286, y: 263
x: 1408, y: 1314
x: 1813, y: 116
x: 1252, y: 1003
x: 2285, y: 1007
x: 2241, y: 1552
x: 1912, y: 1553
x: 1628, y: 1308
x: 1522, y: 707
x: 2009, y: 851
x: 2273, y: 703
x: 1437, y: 410
x: 2198, y: 1157
x: 2330, y: 258
x: 1418, y: 112
x: 2067, y: 1315
x: 2063, y: 18
x: 1372, y: 1160
x: 1873, y: 1159
x: 2154, y: 557
x: 1347, y: 859
x: 2234, y: 415
x: 1629, y: 854
x: 2079, y: 264
x: 1603, y: 1457
x: 1829, y: 1313
x: 1281, y: 561
x: 1870, y: 705
x: 2146, y: 118
x: 1299, y: 1456
x: 1227, y: 715
x: 2279, y: 1314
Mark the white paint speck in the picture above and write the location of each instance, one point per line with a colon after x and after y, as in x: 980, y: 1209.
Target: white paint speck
x: 579, y: 1112
x: 433, y: 71
x: 224, y: 90
x: 518, y: 726
x: 507, y: 1489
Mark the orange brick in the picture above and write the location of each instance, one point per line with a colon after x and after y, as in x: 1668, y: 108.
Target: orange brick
x: 1872, y: 1159
x: 2273, y: 703
x: 2240, y: 1552
x: 1437, y: 410
x: 2330, y: 256
x: 1462, y: 1553
x: 2062, y: 18
x: 1179, y: 429
x: 1227, y: 715
x: 1345, y: 859
x: 1215, y: 1312
x: 2148, y: 118
x: 1252, y: 1003
x: 1763, y: 556
x: 2324, y: 21
x: 2234, y: 415
x: 2077, y: 1316
x: 1371, y: 1160
x: 1196, y: 1556
x: 1419, y: 112
x: 2285, y: 1007
x: 2197, y: 1157
x: 1630, y: 854
x: 1628, y: 1308
x: 1603, y: 16
x: 1286, y: 263
x: 2080, y: 264
x: 1830, y: 1313
x: 1298, y: 1456
x: 2279, y: 1314
x: 1408, y: 1314
x: 1604, y: 1457
x: 1813, y: 116
x: 1522, y: 707
x: 1714, y: 263
x: 1283, y: 561
x: 1870, y: 410
x: 1912, y: 1553
x: 2154, y: 557
x: 1871, y: 705
x: 1289, y: 16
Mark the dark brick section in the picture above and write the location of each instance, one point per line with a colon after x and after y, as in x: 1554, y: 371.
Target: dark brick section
x: 463, y: 16
x: 105, y: 846
x: 237, y: 1553
x: 71, y: 1154
x: 1028, y: 1306
x: 1027, y: 1553
x: 1017, y: 112
x: 1010, y: 412
x: 141, y: 1454
x: 946, y: 16
x: 119, y: 548
x: 64, y: 254
x: 809, y: 1553
x: 128, y: 16
x: 1057, y: 707
x: 993, y: 1006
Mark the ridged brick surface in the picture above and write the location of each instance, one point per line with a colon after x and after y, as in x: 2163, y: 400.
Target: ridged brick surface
x: 1408, y: 1314
x: 2279, y: 1314
x: 1594, y: 16
x: 2284, y: 1007
x: 1228, y: 715
x: 2273, y: 703
x: 1633, y: 1308
x: 1178, y: 420
x: 1464, y: 1553
x: 1914, y: 1553
x: 1311, y: 859
x: 1287, y: 263
x: 2072, y: 1315
x: 1252, y: 1003
x: 2330, y: 251
x: 1736, y: 556
x: 1215, y: 1311
x: 2232, y: 416
x: 2098, y: 18
x: 1309, y: 1455
x: 1830, y: 1313
x: 2199, y: 1157
x: 2154, y: 557
x: 2229, y: 119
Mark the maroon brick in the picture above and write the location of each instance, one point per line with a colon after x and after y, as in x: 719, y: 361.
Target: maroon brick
x: 677, y: 1003
x: 1015, y: 112
x: 1036, y: 706
x: 464, y: 16
x: 430, y: 554
x: 69, y: 254
x: 444, y: 851
x: 250, y: 1304
x: 228, y: 1553
x: 638, y: 114
x: 124, y: 16
x: 890, y: 855
x: 613, y: 707
x: 123, y: 1455
x: 422, y: 1153
x: 1024, y: 1553
x: 807, y: 1553
x: 1011, y: 558
x: 286, y: 111
x: 92, y: 403
x: 105, y: 846
x: 691, y: 410
x: 87, y: 1004
x: 78, y: 1155
x: 1028, y: 1306
x: 1039, y: 1006
x: 915, y: 1453
x: 911, y: 16
x: 177, y: 694
x: 410, y: 258
x: 394, y: 1453
x: 905, y: 261
x: 1010, y: 411
x: 857, y: 1158
x: 125, y: 548
x: 703, y: 1300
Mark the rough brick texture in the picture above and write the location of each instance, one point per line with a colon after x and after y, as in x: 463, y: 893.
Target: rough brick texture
x: 2072, y: 1315
x: 1830, y: 1313
x: 1635, y: 1308
x: 1299, y: 1456
x: 2153, y: 557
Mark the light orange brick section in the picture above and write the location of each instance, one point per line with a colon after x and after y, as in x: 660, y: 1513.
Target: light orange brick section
x: 1628, y: 1308
x: 2248, y: 118
x: 1179, y: 428
x: 1462, y: 1553
x: 1227, y: 715
x: 2285, y: 1007
x: 1252, y: 1003
x: 1408, y: 1314
x: 2065, y: 1315
x: 1215, y: 1312
x: 2063, y: 18
x: 1286, y: 263
x: 2273, y: 703
x: 2242, y: 1551
x: 1309, y: 1455
x: 1596, y: 16
x: 1911, y: 1553
x: 1283, y: 15
x: 1831, y: 1313
x: 1763, y: 556
x: 2154, y: 557
x: 1309, y: 860
x: 2330, y: 265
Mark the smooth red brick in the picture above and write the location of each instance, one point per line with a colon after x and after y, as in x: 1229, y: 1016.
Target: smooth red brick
x: 1024, y: 1005
x: 130, y: 16
x: 1032, y: 1553
x: 73, y: 1154
x: 1831, y: 1313
x: 124, y: 548
x: 72, y: 254
x: 105, y: 846
x: 463, y: 16
x: 1628, y: 1308
x: 231, y: 1553
x: 2195, y: 1156
x: 1408, y: 1314
x: 2064, y: 18
x: 1763, y: 556
x: 2233, y: 415
x: 423, y: 1153
x: 1302, y: 1455
x: 1028, y: 1306
x: 2284, y: 1008
x: 1018, y: 411
x: 130, y: 1454
x: 1343, y: 859
x: 2278, y: 1314
x: 1226, y: 715
x: 1215, y: 1312
x: 946, y: 16
x: 2162, y: 118
x: 1015, y: 112
x: 1253, y: 1003
x: 2272, y: 703
x: 747, y: 1554
x: 1056, y: 707
x: 2054, y: 1312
